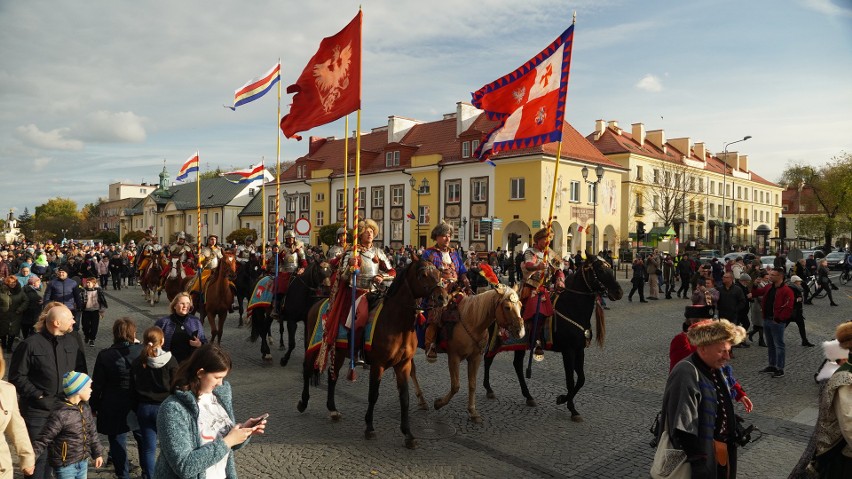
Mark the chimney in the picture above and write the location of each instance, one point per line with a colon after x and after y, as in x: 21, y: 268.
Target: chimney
x: 315, y: 142
x: 730, y: 159
x: 684, y: 145
x: 743, y: 163
x: 658, y: 138
x: 466, y: 114
x: 639, y: 133
x: 614, y: 125
x: 600, y: 127
x: 701, y: 152
x: 398, y: 127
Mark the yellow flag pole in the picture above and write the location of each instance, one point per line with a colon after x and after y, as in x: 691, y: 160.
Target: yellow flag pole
x: 198, y: 206
x: 345, y: 180
x: 355, y: 206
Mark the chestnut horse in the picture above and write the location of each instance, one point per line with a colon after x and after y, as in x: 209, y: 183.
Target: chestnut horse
x: 150, y: 280
x: 177, y: 279
x: 572, y: 330
x: 218, y: 295
x: 394, y: 345
x: 470, y: 335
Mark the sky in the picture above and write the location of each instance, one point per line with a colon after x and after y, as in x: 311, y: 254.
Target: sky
x: 101, y: 91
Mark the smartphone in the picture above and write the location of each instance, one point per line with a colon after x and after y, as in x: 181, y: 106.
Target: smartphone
x: 255, y: 422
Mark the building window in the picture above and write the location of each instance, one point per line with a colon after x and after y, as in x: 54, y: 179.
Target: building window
x: 592, y: 193
x: 479, y: 189
x: 517, y: 189
x: 290, y: 204
x: 397, y: 192
x: 476, y: 234
x: 473, y: 146
x: 215, y: 219
x: 205, y: 219
x: 453, y: 191
x: 656, y: 176
x: 188, y: 220
x: 305, y: 202
x: 320, y: 197
x: 739, y: 192
x: 465, y: 149
x: 574, y: 192
x: 712, y: 187
x: 378, y: 196
x: 423, y: 215
x: 340, y: 200
x: 691, y: 183
x: 745, y: 194
x: 456, y: 224
x: 391, y: 159
x: 320, y: 221
x: 656, y: 201
x: 362, y: 198
x: 700, y: 185
x: 396, y: 230
x: 639, y: 173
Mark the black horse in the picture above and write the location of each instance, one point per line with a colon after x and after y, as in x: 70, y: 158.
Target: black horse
x: 247, y: 275
x: 572, y: 328
x: 305, y: 290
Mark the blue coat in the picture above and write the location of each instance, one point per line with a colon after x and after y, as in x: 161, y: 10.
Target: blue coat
x: 181, y: 452
x: 62, y: 291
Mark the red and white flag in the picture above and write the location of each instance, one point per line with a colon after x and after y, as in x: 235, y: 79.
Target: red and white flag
x: 330, y: 85
x: 529, y: 102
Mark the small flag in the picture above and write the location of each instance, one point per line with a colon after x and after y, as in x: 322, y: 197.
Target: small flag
x: 256, y: 88
x: 190, y: 166
x: 250, y: 175
x: 529, y: 102
x: 410, y: 215
x: 330, y: 85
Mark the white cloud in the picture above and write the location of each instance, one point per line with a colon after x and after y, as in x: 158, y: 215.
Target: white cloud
x: 40, y: 164
x: 49, y: 140
x: 108, y: 127
x: 650, y: 83
x: 829, y: 7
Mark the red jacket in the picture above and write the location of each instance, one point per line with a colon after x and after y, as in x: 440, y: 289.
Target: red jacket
x: 784, y: 301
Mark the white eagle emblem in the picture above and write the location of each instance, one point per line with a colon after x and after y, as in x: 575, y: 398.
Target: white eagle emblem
x: 519, y: 94
x: 332, y: 76
x: 540, y: 116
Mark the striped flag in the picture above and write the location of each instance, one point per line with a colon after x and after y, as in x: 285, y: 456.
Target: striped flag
x: 190, y: 166
x: 257, y: 87
x: 247, y: 176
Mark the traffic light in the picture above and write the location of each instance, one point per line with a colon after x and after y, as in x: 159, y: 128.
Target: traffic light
x: 782, y: 227
x: 514, y: 240
x: 640, y: 231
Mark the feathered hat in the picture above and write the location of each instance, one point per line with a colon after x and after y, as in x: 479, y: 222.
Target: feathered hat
x: 488, y: 273
x: 709, y: 331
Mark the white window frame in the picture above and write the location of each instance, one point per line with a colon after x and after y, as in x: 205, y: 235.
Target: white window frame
x: 517, y: 188
x: 465, y: 149
x: 378, y: 196
x: 391, y: 159
x: 479, y: 189
x: 320, y: 218
x: 453, y: 191
x: 397, y: 195
x: 574, y: 192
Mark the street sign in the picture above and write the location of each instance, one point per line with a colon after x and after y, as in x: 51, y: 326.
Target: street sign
x: 497, y: 223
x: 536, y: 224
x: 485, y: 226
x: 302, y: 226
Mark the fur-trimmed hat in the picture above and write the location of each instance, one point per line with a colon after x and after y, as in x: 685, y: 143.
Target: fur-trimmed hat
x: 368, y: 223
x: 542, y: 233
x: 442, y: 229
x: 698, y: 311
x: 710, y: 331
x: 844, y: 335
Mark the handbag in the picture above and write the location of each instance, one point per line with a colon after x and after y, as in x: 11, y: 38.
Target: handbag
x: 670, y: 463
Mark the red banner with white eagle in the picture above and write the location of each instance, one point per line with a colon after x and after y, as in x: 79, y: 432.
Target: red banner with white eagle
x: 330, y: 85
x: 529, y: 102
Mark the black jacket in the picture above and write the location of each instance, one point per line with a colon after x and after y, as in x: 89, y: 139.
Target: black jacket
x: 69, y: 436
x: 80, y: 293
x: 731, y: 301
x: 37, y: 367
x: 111, y: 387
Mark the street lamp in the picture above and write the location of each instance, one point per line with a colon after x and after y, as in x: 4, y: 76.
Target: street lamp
x: 725, y: 188
x: 424, y: 185
x: 463, y: 226
x: 599, y: 172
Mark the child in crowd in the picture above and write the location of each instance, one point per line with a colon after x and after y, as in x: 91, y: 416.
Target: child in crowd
x: 69, y: 436
x: 91, y: 300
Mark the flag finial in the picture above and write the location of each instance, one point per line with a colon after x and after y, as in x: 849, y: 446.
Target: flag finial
x: 574, y: 20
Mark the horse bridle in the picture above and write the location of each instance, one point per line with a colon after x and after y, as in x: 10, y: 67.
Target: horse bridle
x: 597, y: 288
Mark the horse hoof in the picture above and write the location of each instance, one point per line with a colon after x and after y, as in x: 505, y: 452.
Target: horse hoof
x: 476, y: 419
x: 561, y: 399
x: 576, y: 418
x: 335, y: 416
x: 491, y: 395
x: 439, y: 404
x: 369, y: 434
x: 410, y: 443
x: 301, y: 406
x: 531, y: 402
x: 283, y: 362
x: 267, y: 358
x: 282, y: 347
x: 423, y: 406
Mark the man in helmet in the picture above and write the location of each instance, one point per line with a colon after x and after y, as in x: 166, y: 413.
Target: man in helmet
x: 246, y: 250
x: 454, y: 276
x: 151, y: 248
x: 208, y: 261
x: 291, y: 262
x: 181, y: 252
x: 141, y: 247
x: 336, y: 251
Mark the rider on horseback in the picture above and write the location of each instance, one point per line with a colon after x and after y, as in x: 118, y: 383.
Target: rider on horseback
x: 336, y: 251
x: 183, y: 253
x: 208, y: 261
x: 454, y: 278
x: 245, y: 251
x: 291, y: 262
x: 540, y: 267
x: 150, y: 248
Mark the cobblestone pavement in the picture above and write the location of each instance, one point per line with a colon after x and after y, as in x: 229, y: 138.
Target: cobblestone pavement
x: 623, y: 392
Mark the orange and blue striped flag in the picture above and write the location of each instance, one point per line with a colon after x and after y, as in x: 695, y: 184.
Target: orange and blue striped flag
x: 190, y: 166
x: 256, y: 88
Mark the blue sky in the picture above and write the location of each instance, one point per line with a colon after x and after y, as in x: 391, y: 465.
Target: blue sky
x: 100, y: 91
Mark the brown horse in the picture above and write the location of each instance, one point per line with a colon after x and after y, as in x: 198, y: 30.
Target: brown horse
x: 177, y: 279
x: 470, y: 335
x: 150, y: 280
x: 394, y: 345
x: 218, y: 295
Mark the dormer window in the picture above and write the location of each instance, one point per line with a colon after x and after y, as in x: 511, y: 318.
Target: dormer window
x: 391, y: 159
x: 466, y: 149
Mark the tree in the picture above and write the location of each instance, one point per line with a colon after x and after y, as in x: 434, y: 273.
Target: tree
x: 107, y: 237
x: 25, y: 223
x: 328, y: 233
x: 55, y: 219
x: 239, y: 235
x: 831, y: 185
x: 671, y: 189
x: 135, y: 236
x: 58, y: 207
x: 211, y: 174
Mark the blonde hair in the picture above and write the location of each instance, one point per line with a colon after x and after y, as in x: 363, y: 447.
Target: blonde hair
x: 182, y: 294
x: 39, y: 325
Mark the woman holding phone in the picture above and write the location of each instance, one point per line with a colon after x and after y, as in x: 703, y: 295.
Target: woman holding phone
x: 196, y: 425
x: 183, y: 332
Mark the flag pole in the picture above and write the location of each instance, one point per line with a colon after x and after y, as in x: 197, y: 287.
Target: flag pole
x: 198, y: 208
x: 345, y: 179
x: 264, y: 220
x: 356, y: 268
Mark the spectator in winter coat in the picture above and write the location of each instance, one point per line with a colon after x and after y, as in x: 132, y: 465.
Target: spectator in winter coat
x: 35, y: 295
x: 13, y: 304
x: 103, y: 271
x: 12, y: 424
x: 91, y: 302
x: 61, y: 289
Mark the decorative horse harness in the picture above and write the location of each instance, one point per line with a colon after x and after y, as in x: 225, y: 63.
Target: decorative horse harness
x: 596, y: 287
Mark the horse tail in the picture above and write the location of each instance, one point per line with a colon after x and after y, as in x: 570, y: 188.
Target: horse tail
x: 600, y: 324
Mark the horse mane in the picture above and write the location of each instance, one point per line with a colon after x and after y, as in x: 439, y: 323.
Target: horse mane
x: 400, y: 278
x: 478, y: 305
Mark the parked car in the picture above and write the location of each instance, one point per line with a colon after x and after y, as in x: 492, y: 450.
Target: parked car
x: 835, y: 259
x: 745, y: 255
x: 706, y: 255
x: 818, y: 253
x: 768, y: 262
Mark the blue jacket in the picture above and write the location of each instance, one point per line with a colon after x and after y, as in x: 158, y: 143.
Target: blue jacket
x: 62, y: 291
x: 181, y: 452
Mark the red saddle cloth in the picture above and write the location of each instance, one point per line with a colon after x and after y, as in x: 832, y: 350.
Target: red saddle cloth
x: 545, y: 308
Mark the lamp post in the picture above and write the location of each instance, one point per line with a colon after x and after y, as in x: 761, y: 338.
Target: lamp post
x: 725, y: 189
x: 599, y: 172
x: 424, y: 185
x: 463, y: 226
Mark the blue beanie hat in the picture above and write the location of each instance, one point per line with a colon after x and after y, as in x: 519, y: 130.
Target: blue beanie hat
x: 73, y: 382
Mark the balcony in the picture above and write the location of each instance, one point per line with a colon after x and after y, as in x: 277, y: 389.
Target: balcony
x: 692, y: 217
x: 700, y: 217
x: 639, y: 211
x: 739, y: 221
x: 745, y: 222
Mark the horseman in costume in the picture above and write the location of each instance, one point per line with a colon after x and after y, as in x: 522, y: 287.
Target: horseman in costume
x: 208, y: 261
x: 147, y: 251
x: 454, y: 278
x: 245, y: 251
x: 183, y: 253
x: 541, y: 267
x: 336, y: 251
x: 291, y: 262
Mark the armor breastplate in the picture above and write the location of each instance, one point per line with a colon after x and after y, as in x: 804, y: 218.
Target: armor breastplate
x: 288, y: 261
x: 334, y: 252
x: 370, y: 268
x: 211, y: 256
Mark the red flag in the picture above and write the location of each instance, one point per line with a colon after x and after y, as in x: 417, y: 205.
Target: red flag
x: 529, y: 102
x: 330, y: 85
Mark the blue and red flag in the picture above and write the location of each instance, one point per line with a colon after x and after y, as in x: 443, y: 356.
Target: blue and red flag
x: 529, y: 102
x: 250, y: 175
x: 189, y: 166
x: 257, y: 87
